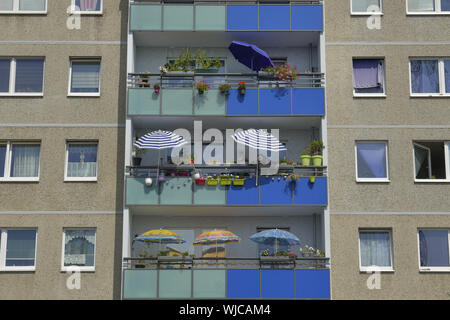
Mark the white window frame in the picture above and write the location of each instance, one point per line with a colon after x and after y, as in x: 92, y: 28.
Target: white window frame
x: 73, y: 9
x: 12, y: 78
x: 437, y: 11
x: 368, y: 13
x: 371, y: 95
x: 391, y: 252
x: 447, y: 163
x: 84, y: 94
x: 8, y: 157
x: 16, y: 9
x: 80, y: 268
x: 432, y: 269
x: 3, y: 246
x: 386, y: 143
x: 441, y: 70
x: 79, y: 179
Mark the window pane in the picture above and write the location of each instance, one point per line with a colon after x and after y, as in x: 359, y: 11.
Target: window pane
x: 88, y: 5
x: 445, y: 5
x: 32, y: 5
x: 424, y: 76
x: 20, y: 248
x: 371, y: 160
x: 82, y: 160
x: 6, y: 5
x: 2, y: 160
x: 368, y: 75
x: 363, y: 5
x: 25, y: 160
x: 447, y: 75
x: 434, y: 248
x: 420, y: 5
x: 29, y: 75
x: 422, y: 162
x: 375, y: 249
x: 4, y: 74
x: 79, y: 248
x: 85, y: 77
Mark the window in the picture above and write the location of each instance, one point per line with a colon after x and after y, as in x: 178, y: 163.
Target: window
x: 19, y: 161
x: 84, y: 77
x: 18, y: 249
x: 375, y: 250
x: 372, y: 161
x: 434, y: 250
x: 88, y: 6
x: 81, y: 161
x: 430, y: 77
x: 428, y: 6
x: 368, y: 77
x: 21, y: 76
x: 79, y: 249
x: 431, y: 161
x: 366, y: 6
x: 23, y: 6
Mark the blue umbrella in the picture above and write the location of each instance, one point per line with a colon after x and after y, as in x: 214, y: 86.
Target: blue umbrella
x: 250, y: 55
x: 275, y: 237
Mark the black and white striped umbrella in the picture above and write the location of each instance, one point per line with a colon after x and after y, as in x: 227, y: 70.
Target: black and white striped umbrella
x: 160, y: 140
x: 259, y: 139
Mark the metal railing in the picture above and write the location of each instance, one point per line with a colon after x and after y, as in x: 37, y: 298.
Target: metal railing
x: 311, y: 2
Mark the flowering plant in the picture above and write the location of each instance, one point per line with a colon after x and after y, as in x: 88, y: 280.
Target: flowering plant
x: 224, y: 88
x: 283, y: 72
x: 163, y: 69
x: 241, y: 85
x: 201, y: 87
x: 307, y: 250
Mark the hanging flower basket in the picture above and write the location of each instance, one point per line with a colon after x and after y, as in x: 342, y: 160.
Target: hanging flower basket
x: 238, y: 181
x: 225, y: 180
x: 200, y: 182
x: 183, y: 174
x: 210, y: 181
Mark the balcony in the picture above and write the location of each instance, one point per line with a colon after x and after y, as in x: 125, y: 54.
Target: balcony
x: 180, y: 188
x: 213, y: 15
x: 178, y: 97
x: 235, y: 278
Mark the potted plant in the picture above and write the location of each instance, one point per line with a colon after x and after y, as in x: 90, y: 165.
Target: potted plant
x: 143, y: 80
x: 225, y: 180
x: 305, y: 156
x: 293, y: 178
x: 201, y: 87
x: 238, y: 181
x: 308, y: 252
x: 316, y: 150
x: 283, y: 162
x: 205, y: 64
x: 224, y: 88
x: 157, y: 88
x: 137, y: 153
x: 212, y: 181
x: 183, y: 65
x: 241, y: 87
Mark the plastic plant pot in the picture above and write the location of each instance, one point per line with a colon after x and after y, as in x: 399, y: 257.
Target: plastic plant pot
x: 212, y: 181
x: 317, y: 160
x: 225, y: 181
x: 200, y: 182
x: 238, y: 181
x: 306, y: 160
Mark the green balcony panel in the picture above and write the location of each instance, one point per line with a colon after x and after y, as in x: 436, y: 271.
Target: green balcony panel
x: 209, y: 284
x: 139, y: 284
x: 175, y: 283
x: 145, y: 17
x: 175, y: 191
x: 139, y: 194
x: 177, y: 102
x: 211, y: 102
x: 143, y: 102
x: 209, y: 195
x: 178, y: 17
x: 210, y: 17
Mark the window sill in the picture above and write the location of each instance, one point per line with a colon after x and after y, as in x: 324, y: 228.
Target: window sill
x: 434, y: 269
x: 430, y: 95
x: 23, y: 12
x: 366, y: 13
x: 19, y: 180
x: 427, y: 13
x: 431, y: 181
x: 84, y: 95
x: 78, y: 269
x: 87, y: 13
x: 377, y: 269
x: 373, y: 180
x: 18, y: 269
x: 23, y: 95
x: 368, y: 95
x: 81, y: 179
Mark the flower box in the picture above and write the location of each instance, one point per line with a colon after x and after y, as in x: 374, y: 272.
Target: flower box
x: 238, y: 181
x: 212, y: 181
x: 183, y: 174
x: 200, y: 182
x: 225, y: 181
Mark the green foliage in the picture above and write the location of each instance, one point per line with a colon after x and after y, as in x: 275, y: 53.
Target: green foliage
x: 306, y: 151
x: 317, y: 147
x: 204, y: 62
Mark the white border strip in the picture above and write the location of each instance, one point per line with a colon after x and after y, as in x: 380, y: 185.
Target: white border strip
x: 389, y: 43
x: 63, y: 125
x: 58, y: 212
x: 388, y: 213
x: 109, y: 43
x: 389, y: 126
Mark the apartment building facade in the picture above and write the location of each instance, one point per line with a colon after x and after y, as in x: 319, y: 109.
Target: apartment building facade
x: 61, y: 147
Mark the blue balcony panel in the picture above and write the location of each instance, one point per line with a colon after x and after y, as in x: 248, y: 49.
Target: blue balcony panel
x: 307, y: 17
x: 145, y: 17
x: 275, y: 190
x: 275, y: 101
x: 312, y: 284
x: 277, y: 284
x: 242, y: 17
x: 308, y: 193
x: 248, y: 194
x: 209, y: 284
x: 242, y: 104
x: 243, y: 284
x: 308, y: 101
x: 137, y: 193
x: 274, y: 17
x: 139, y: 284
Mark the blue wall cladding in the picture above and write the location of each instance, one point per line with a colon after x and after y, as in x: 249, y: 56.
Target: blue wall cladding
x: 275, y: 190
x: 275, y: 101
x: 309, y: 101
x: 308, y: 193
x: 242, y: 104
x: 312, y: 284
x: 307, y: 17
x: 272, y: 17
x: 243, y: 284
x: 277, y: 284
x: 242, y: 17
x: 242, y: 195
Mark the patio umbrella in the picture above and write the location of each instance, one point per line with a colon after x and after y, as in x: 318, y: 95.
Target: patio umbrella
x: 215, y: 237
x: 250, y: 55
x: 160, y: 236
x: 275, y: 237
